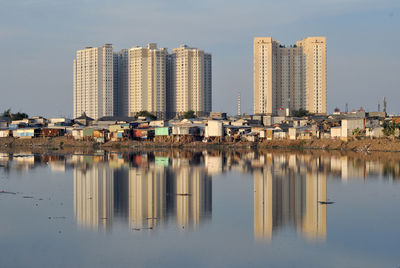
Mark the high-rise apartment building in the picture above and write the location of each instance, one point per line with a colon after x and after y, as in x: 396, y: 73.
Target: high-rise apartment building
x: 121, y: 89
x: 147, y: 80
x: 289, y: 77
x: 93, y: 82
x: 190, y: 81
x: 123, y: 83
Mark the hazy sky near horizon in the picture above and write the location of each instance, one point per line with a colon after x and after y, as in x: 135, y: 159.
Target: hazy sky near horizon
x: 39, y: 39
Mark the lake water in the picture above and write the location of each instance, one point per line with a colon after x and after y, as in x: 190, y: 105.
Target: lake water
x: 196, y: 209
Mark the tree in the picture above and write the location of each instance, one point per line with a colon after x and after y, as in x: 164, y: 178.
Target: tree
x: 389, y: 128
x: 6, y: 113
x: 189, y: 114
x: 301, y: 112
x: 146, y: 114
x: 18, y: 116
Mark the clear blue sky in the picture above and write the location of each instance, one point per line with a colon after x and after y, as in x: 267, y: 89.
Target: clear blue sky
x: 39, y: 38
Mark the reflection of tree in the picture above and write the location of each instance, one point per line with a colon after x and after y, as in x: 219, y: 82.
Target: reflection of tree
x: 390, y: 171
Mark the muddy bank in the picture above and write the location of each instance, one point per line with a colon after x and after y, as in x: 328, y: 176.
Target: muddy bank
x: 69, y: 144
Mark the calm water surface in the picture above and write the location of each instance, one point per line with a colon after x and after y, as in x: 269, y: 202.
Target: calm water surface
x: 196, y: 209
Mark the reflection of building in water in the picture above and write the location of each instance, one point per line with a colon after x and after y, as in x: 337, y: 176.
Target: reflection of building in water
x: 283, y: 197
x: 314, y: 219
x: 57, y: 166
x: 213, y: 164
x: 351, y: 169
x: 93, y: 196
x: 24, y: 160
x: 147, y: 196
x: 192, y: 189
x: 4, y: 159
x: 142, y: 196
x: 121, y: 193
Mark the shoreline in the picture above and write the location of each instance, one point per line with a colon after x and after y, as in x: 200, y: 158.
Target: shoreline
x: 67, y: 143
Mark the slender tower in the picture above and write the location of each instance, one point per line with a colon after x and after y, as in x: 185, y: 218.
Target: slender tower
x: 238, y: 107
x: 384, y: 104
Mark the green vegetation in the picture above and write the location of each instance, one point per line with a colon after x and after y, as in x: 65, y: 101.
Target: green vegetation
x: 18, y: 116
x: 389, y: 128
x: 300, y: 113
x: 189, y: 115
x: 146, y: 114
x: 358, y: 132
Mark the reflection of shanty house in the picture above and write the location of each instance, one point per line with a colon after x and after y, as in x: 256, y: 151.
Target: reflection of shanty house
x: 57, y: 166
x: 376, y: 168
x: 4, y: 157
x: 284, y: 198
x: 147, y: 196
x: 335, y: 164
x: 193, y: 190
x: 258, y: 161
x: 213, y: 164
x: 351, y: 169
x: 24, y: 160
x: 93, y: 196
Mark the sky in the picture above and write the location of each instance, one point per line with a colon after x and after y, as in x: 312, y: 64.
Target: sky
x: 39, y: 40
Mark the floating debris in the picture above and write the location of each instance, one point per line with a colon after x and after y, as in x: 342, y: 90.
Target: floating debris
x: 184, y: 194
x: 326, y: 202
x: 27, y: 196
x: 144, y: 228
x: 5, y: 192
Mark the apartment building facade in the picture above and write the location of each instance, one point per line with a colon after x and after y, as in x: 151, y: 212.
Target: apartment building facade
x: 121, y: 85
x: 93, y: 82
x: 129, y: 81
x: 189, y: 81
x: 147, y: 80
x: 291, y: 77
